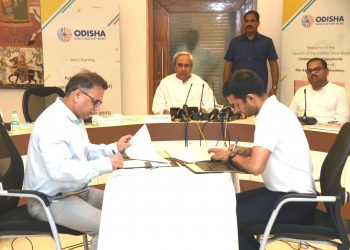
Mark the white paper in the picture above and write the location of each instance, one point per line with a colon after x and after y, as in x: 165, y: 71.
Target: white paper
x: 192, y: 153
x: 141, y: 147
x: 141, y: 164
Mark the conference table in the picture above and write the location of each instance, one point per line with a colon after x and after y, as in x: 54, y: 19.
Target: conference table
x: 168, y: 208
x: 319, y: 139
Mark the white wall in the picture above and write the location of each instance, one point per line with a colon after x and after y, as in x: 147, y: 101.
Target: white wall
x: 134, y: 62
x: 134, y: 52
x: 271, y: 25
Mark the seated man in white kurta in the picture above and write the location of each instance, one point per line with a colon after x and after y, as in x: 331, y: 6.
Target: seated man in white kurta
x: 325, y: 101
x: 173, y: 89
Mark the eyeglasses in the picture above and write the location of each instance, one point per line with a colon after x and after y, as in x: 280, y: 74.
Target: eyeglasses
x: 316, y: 70
x: 95, y: 102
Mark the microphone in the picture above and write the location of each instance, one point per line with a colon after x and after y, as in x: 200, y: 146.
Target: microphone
x: 305, y: 119
x: 200, y: 115
x: 185, y: 113
x: 200, y: 104
x: 213, y: 116
x: 222, y: 114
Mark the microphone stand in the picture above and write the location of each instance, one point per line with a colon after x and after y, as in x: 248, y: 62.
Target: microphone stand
x: 305, y: 119
x: 185, y: 116
x: 215, y: 112
x: 185, y: 113
x: 200, y: 104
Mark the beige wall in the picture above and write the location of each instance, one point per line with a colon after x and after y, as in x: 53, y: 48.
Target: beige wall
x: 133, y: 40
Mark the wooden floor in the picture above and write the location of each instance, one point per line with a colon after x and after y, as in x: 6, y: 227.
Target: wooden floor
x: 46, y: 243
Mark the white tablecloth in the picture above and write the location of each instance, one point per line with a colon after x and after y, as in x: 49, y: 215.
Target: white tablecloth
x: 168, y: 209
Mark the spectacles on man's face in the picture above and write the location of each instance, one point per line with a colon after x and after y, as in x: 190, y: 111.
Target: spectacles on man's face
x: 316, y: 70
x: 95, y: 102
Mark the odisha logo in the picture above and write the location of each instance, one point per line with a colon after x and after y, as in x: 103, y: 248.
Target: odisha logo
x: 64, y: 34
x: 91, y: 33
x: 307, y: 21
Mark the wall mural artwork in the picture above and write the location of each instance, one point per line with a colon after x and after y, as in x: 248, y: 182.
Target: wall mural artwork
x: 21, y: 57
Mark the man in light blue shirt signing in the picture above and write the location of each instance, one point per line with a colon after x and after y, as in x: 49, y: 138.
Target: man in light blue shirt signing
x: 61, y: 159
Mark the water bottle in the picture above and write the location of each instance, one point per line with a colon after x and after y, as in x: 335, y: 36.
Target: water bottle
x: 14, y: 121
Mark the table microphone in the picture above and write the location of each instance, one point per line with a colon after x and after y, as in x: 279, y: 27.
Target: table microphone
x: 213, y: 116
x: 200, y: 104
x: 185, y: 112
x: 308, y: 120
x: 200, y: 115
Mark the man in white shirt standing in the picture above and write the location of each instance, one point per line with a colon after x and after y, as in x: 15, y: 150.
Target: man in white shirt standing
x: 325, y: 101
x: 173, y: 89
x: 61, y: 159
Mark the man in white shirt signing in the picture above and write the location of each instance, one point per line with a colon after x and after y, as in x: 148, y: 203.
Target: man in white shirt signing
x: 62, y: 161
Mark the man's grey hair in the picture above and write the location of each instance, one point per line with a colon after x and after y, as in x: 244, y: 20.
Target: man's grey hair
x: 181, y: 53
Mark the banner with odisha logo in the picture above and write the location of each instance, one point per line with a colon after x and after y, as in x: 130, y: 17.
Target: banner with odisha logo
x: 83, y: 35
x: 312, y: 28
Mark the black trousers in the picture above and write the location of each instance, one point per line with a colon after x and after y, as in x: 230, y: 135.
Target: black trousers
x: 256, y: 206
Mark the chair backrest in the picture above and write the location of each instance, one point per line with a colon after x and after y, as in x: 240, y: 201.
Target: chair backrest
x: 37, y: 99
x: 11, y: 169
x: 333, y: 164
x: 300, y: 83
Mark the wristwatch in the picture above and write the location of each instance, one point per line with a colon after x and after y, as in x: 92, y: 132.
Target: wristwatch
x: 231, y: 156
x: 274, y: 87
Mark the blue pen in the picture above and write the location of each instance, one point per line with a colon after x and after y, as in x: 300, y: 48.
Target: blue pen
x: 113, y: 151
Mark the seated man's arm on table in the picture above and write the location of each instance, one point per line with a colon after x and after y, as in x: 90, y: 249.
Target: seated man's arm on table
x: 342, y: 110
x: 295, y: 101
x: 255, y: 163
x: 251, y: 160
x: 159, y: 105
x: 208, y: 99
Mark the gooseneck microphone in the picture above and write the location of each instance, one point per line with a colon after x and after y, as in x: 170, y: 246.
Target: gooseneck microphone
x: 200, y: 104
x: 185, y: 113
x: 305, y: 119
x: 214, y: 113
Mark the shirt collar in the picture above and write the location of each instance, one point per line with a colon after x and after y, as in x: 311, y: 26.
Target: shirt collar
x: 268, y: 102
x: 257, y: 36
x: 70, y: 115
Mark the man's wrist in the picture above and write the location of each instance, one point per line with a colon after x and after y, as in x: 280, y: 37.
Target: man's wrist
x: 274, y: 86
x: 231, y: 156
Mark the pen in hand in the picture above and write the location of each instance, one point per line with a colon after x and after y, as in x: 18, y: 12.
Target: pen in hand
x: 235, y: 145
x: 117, y: 161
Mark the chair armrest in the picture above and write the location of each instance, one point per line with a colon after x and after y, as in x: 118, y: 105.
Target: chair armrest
x: 45, y: 204
x: 27, y: 194
x: 294, y: 197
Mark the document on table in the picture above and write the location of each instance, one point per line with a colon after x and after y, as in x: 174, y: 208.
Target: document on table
x: 192, y: 153
x: 326, y: 127
x: 142, y: 149
x: 144, y: 164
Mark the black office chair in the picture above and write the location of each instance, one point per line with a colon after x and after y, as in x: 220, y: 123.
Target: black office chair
x: 15, y: 220
x: 36, y: 99
x: 327, y: 226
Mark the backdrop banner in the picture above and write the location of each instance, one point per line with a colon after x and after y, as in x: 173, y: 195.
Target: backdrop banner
x: 82, y: 35
x: 315, y: 28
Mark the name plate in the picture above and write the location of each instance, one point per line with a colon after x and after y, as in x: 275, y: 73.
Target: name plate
x: 157, y: 118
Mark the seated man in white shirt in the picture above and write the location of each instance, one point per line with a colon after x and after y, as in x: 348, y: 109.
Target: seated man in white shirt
x: 174, y: 89
x: 61, y: 160
x: 325, y: 101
